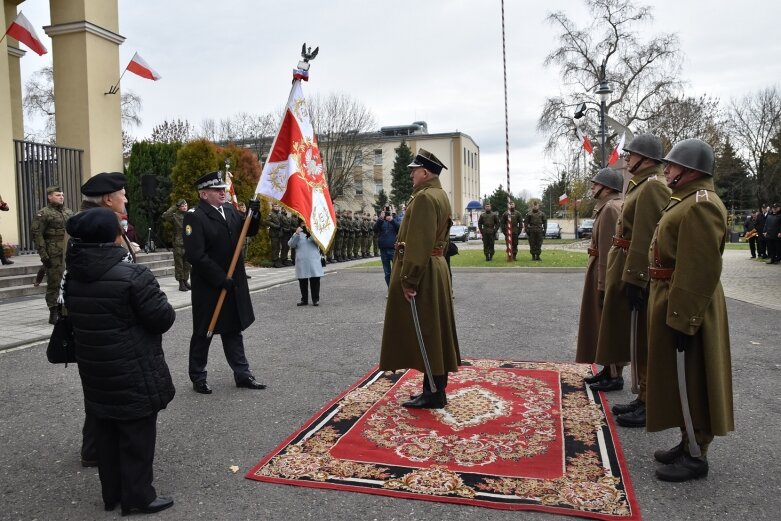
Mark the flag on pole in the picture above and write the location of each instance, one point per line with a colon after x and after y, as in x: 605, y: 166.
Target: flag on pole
x: 139, y: 66
x: 22, y: 30
x: 232, y: 199
x: 563, y: 199
x: 294, y: 175
x: 616, y: 153
x: 585, y: 141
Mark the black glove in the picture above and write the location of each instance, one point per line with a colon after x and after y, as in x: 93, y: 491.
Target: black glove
x: 254, y: 205
x: 681, y: 341
x: 47, y: 262
x: 228, y: 284
x: 635, y: 296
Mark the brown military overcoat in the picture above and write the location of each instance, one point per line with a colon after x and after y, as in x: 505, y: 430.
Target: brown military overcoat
x: 690, y: 237
x: 423, y: 230
x: 606, y: 214
x: 645, y: 198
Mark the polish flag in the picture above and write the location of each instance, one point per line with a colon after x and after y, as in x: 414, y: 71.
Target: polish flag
x: 139, y: 66
x: 22, y: 30
x: 585, y: 141
x: 293, y: 174
x: 616, y: 153
x: 563, y: 199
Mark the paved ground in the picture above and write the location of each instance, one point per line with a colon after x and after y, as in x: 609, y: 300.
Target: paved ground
x: 309, y: 355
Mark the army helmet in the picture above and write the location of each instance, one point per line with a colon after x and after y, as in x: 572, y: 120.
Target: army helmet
x: 611, y: 178
x: 692, y: 153
x: 646, y: 145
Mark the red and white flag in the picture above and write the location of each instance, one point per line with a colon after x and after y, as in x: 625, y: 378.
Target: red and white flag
x: 294, y: 175
x: 585, y: 141
x: 563, y: 199
x: 616, y: 153
x: 232, y: 199
x: 139, y: 66
x: 22, y: 30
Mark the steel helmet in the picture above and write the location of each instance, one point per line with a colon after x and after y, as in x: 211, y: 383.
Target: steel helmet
x: 646, y: 145
x: 611, y: 178
x: 692, y: 153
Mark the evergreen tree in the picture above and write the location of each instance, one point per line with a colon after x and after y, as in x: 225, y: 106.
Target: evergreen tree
x: 731, y: 179
x: 401, y: 184
x: 380, y: 202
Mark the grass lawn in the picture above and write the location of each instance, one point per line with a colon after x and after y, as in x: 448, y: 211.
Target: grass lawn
x: 736, y: 246
x: 550, y: 259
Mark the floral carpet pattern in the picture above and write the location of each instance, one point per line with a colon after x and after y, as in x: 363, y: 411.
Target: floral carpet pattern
x: 514, y: 435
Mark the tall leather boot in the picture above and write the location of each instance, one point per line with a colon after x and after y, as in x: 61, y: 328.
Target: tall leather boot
x: 5, y: 260
x: 427, y: 399
x: 183, y: 286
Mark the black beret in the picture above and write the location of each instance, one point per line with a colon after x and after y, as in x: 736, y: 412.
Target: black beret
x: 94, y: 225
x: 104, y: 183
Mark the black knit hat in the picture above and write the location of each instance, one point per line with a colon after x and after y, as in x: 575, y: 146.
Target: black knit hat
x: 97, y: 225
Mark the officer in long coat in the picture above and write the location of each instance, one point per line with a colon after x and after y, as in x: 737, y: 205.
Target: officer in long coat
x: 687, y: 313
x: 488, y: 224
x: 211, y: 233
x: 626, y: 285
x: 420, y: 271
x: 48, y: 231
x: 606, y: 188
x: 175, y: 215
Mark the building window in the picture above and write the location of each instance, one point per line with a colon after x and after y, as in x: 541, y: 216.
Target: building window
x: 465, y: 155
x: 359, y: 157
x: 358, y: 185
x: 378, y: 156
x: 338, y: 159
x: 378, y: 187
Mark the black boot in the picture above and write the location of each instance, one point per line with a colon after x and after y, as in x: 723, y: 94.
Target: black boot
x: 601, y: 375
x: 182, y: 286
x: 669, y: 456
x: 427, y: 399
x: 632, y: 419
x: 685, y: 468
x: 3, y: 258
x: 623, y: 408
x: 608, y: 384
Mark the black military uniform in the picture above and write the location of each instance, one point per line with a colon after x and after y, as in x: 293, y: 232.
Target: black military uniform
x: 209, y: 242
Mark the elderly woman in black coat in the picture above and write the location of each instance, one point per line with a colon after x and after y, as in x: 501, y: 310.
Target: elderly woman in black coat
x: 119, y: 314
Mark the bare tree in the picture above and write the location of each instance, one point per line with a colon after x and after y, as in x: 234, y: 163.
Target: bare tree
x: 754, y: 122
x: 687, y: 117
x: 641, y: 73
x: 177, y: 131
x: 341, y: 124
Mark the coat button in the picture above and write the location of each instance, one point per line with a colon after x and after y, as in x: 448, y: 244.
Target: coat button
x: 675, y: 313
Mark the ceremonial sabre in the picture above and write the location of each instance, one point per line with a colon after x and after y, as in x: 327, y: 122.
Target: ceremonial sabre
x: 694, y: 448
x: 633, y: 350
x: 423, y: 353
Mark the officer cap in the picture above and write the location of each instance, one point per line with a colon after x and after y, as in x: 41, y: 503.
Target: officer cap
x: 94, y: 225
x: 211, y: 180
x: 180, y: 202
x: 104, y: 183
x: 52, y: 189
x: 428, y: 161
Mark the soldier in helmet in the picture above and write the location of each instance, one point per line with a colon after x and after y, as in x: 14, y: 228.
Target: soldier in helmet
x: 175, y: 215
x: 48, y: 231
x: 606, y: 189
x: 535, y: 223
x: 688, y: 333
x: 626, y: 280
x: 488, y: 224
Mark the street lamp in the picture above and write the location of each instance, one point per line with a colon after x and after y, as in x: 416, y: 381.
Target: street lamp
x: 603, y: 91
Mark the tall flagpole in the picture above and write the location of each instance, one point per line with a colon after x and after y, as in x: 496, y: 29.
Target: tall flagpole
x: 508, y: 232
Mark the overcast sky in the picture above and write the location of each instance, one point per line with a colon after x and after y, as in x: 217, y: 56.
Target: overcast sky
x: 439, y: 61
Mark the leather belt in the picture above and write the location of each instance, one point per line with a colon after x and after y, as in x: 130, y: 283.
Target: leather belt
x: 661, y: 273
x: 437, y: 252
x: 593, y: 252
x: 621, y: 242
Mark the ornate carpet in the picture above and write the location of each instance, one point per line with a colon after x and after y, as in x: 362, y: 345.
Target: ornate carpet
x: 514, y: 435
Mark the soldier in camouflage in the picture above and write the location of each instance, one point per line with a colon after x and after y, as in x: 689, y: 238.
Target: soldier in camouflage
x: 3, y: 259
x: 48, y: 231
x: 535, y: 222
x: 368, y: 234
x: 274, y: 234
x: 175, y: 215
x: 488, y: 224
x: 358, y: 229
x: 286, y: 232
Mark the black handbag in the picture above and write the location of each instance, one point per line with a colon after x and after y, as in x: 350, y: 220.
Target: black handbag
x: 322, y: 261
x: 62, y: 347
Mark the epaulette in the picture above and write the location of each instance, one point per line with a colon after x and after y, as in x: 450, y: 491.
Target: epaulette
x: 701, y: 194
x: 657, y: 177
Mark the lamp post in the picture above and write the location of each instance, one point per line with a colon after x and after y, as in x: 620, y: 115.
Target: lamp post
x: 603, y: 91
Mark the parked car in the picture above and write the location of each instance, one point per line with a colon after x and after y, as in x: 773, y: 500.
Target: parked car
x: 586, y: 228
x: 459, y: 233
x: 553, y: 231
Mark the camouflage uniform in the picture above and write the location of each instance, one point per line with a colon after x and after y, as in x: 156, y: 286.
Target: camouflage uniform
x: 181, y: 267
x: 368, y: 234
x: 274, y: 234
x: 535, y: 222
x: 349, y: 237
x: 488, y: 224
x: 375, y: 238
x: 358, y: 230
x: 285, y: 234
x: 48, y: 231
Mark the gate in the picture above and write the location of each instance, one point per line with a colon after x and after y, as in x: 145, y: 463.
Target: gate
x: 37, y: 167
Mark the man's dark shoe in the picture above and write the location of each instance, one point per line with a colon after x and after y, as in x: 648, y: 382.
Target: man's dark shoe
x: 159, y: 503
x: 632, y: 419
x: 182, y: 286
x: 302, y: 303
x: 250, y: 383
x: 609, y: 384
x: 89, y: 462
x: 604, y: 374
x: 428, y: 400
x: 623, y: 408
x: 108, y: 507
x: 315, y: 302
x: 682, y: 469
x: 670, y: 455
x: 202, y: 387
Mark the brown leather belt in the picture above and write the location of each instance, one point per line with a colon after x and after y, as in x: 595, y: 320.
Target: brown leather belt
x: 437, y: 252
x: 661, y: 273
x: 621, y: 242
x: 593, y: 252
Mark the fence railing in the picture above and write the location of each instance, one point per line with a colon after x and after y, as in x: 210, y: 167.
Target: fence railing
x: 39, y: 166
